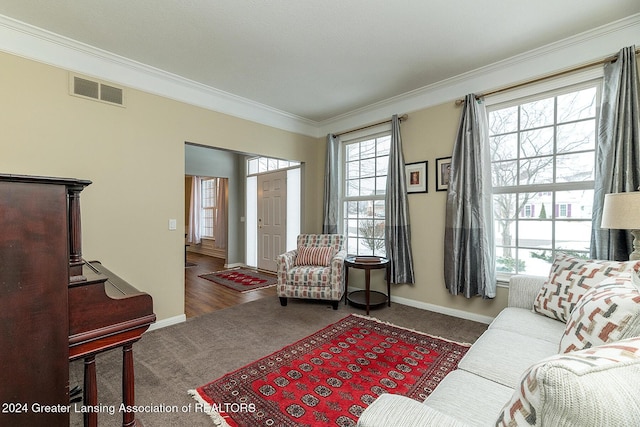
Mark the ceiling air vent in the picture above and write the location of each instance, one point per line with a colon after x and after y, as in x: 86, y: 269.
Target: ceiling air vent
x: 97, y: 91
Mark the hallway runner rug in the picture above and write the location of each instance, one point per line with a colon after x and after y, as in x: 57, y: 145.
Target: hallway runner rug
x: 331, y: 376
x: 242, y: 279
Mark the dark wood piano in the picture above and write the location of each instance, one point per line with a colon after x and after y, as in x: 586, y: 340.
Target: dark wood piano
x: 55, y: 306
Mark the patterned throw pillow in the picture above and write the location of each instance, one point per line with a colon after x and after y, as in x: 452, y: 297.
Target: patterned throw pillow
x: 610, y: 311
x: 570, y: 278
x: 592, y: 387
x: 311, y: 255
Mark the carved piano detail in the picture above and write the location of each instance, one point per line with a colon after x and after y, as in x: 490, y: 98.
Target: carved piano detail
x: 54, y: 306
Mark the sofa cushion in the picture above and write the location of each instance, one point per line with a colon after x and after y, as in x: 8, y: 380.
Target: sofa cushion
x: 587, y: 388
x: 481, y: 399
x: 608, y: 312
x: 526, y: 322
x: 569, y: 279
x: 392, y: 410
x: 310, y: 255
x: 502, y: 356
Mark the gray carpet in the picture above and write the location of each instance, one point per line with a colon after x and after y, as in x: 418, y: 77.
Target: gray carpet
x: 172, y: 360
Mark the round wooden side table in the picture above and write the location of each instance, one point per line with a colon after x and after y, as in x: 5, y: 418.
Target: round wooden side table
x: 367, y: 298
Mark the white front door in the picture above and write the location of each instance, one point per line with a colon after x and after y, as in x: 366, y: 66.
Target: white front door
x: 272, y: 218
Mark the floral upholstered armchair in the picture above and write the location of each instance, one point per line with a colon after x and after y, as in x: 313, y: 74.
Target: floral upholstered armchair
x: 315, y: 270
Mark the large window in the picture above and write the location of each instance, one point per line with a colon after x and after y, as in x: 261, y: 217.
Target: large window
x: 365, y: 170
x: 543, y: 154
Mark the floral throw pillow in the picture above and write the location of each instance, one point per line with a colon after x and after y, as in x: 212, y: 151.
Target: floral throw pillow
x: 312, y: 255
x: 608, y: 312
x: 570, y: 278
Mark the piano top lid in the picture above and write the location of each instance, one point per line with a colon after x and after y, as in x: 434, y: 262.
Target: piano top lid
x: 69, y: 182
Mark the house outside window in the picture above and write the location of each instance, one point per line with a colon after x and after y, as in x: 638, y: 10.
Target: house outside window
x: 543, y: 156
x: 365, y: 163
x: 208, y: 213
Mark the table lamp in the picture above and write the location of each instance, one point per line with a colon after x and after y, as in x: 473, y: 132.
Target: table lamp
x: 622, y: 211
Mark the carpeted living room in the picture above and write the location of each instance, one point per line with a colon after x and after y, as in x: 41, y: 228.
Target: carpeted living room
x: 299, y: 214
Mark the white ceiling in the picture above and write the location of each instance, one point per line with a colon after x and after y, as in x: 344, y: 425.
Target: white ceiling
x: 317, y: 60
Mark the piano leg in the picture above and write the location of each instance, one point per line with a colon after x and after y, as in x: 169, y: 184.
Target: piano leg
x: 128, y: 392
x: 90, y: 393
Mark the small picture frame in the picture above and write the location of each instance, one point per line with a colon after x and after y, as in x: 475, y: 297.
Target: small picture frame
x: 443, y: 173
x: 416, y: 177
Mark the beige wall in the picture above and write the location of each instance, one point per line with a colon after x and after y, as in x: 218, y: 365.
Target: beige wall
x: 135, y: 158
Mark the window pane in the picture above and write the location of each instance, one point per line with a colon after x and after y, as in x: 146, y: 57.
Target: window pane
x: 353, y: 188
x: 503, y: 121
x: 368, y: 187
x: 368, y: 149
x: 381, y: 185
x: 384, y: 144
x: 579, y: 203
x: 536, y: 171
x: 504, y: 206
x: 532, y: 261
x: 577, y: 105
x: 368, y: 167
x: 505, y: 236
x: 353, y: 170
x: 504, y: 174
x: 352, y: 152
x: 575, y: 167
x: 537, y: 143
x: 573, y: 235
x: 535, y: 234
x: 504, y: 147
x: 253, y: 166
x: 351, y: 210
x: 577, y: 136
x: 536, y: 114
x: 382, y: 164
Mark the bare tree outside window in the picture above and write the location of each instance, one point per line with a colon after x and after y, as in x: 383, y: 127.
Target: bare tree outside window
x: 543, y: 154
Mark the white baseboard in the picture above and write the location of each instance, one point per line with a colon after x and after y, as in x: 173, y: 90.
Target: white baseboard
x: 443, y: 310
x: 235, y: 265
x: 168, y: 322
x: 437, y: 308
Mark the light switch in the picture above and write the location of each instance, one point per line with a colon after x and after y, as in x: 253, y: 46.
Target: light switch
x: 173, y: 224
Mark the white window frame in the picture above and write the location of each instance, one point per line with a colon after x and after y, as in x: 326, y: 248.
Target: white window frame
x: 376, y: 199
x: 556, y: 87
x: 208, y: 210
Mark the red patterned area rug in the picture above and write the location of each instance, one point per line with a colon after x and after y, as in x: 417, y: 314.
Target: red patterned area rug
x: 242, y: 279
x: 330, y: 377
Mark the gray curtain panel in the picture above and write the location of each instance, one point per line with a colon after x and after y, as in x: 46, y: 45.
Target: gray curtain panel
x: 397, y: 228
x: 331, y: 174
x: 618, y: 151
x: 469, y: 260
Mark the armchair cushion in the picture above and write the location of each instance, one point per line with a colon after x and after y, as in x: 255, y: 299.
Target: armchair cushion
x: 311, y: 255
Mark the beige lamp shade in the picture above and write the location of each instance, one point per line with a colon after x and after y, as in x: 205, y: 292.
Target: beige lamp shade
x: 621, y: 211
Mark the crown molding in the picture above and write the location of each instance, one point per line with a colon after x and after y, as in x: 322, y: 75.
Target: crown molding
x: 582, y: 48
x: 21, y: 39
x: 31, y: 42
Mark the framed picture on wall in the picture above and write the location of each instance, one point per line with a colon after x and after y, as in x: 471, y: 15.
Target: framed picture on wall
x: 416, y: 176
x: 443, y: 173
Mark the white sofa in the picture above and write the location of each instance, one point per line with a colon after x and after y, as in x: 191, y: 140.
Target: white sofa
x: 515, y: 374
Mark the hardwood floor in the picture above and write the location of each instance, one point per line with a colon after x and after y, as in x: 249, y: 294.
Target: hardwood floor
x: 202, y: 296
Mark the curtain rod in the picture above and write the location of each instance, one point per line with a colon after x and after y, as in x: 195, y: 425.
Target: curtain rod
x: 401, y: 118
x: 549, y: 76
